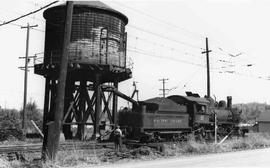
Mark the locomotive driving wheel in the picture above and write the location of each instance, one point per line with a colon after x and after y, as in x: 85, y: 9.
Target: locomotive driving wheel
x: 200, y: 134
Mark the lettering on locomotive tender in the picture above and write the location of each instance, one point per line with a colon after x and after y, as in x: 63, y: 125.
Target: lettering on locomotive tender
x: 167, y: 121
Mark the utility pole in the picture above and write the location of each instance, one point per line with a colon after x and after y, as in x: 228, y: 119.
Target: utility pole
x: 163, y: 86
x: 28, y: 27
x: 54, y: 129
x: 207, y: 51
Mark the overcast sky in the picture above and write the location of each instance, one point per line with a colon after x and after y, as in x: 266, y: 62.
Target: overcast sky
x: 165, y: 40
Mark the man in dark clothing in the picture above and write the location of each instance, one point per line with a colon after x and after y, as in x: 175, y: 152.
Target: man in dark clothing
x: 118, y: 138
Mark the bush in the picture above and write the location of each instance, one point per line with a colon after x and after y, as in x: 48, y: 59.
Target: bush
x: 11, y: 122
x: 10, y: 119
x: 10, y: 125
x: 33, y: 113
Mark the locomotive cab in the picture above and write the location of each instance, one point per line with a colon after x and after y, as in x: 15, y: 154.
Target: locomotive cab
x: 198, y: 108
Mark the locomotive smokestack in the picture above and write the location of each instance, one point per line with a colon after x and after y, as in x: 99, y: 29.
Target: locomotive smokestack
x: 229, y: 101
x: 144, y: 109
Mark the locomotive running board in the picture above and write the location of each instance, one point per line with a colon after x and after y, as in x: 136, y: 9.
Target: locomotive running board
x: 160, y: 131
x: 171, y: 132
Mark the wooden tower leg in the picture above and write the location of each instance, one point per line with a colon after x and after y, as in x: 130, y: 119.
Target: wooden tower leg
x: 68, y: 99
x: 50, y: 94
x: 81, y: 111
x: 115, y: 100
x: 50, y: 118
x: 97, y: 89
x: 45, y: 117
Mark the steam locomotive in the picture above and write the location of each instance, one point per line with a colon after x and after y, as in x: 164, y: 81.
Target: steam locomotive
x: 176, y: 117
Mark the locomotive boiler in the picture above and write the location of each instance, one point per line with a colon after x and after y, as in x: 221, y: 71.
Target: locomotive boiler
x: 177, y: 116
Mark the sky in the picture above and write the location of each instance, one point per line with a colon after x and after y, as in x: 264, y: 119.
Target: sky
x: 165, y: 40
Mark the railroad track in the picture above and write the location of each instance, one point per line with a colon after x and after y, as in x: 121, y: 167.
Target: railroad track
x: 156, y: 145
x: 72, y: 145
x: 68, y: 145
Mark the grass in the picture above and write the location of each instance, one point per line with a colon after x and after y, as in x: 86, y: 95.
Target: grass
x: 4, y: 163
x: 253, y: 141
x: 78, y: 158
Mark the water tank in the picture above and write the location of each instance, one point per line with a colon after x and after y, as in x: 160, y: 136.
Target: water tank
x: 98, y: 34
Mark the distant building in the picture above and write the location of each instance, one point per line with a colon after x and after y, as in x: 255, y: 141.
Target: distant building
x: 264, y: 121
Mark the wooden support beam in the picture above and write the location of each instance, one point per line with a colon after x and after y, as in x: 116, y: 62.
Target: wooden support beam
x: 37, y: 129
x: 97, y: 106
x: 77, y: 98
x: 68, y: 111
x: 115, y: 103
x: 75, y: 111
x: 90, y: 109
x: 81, y: 111
x: 88, y: 112
x: 91, y: 102
x: 52, y: 100
x: 45, y: 117
x: 106, y: 106
x: 72, y: 116
x: 115, y: 91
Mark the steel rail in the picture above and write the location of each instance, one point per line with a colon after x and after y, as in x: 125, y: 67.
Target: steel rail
x: 25, y: 148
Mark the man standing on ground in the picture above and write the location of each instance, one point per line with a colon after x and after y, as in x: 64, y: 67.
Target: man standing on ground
x: 118, y: 138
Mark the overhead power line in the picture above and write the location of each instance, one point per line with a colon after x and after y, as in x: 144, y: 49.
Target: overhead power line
x: 173, y: 49
x: 162, y: 57
x: 164, y: 37
x: 153, y: 54
x: 163, y: 45
x: 190, y: 77
x: 160, y: 20
x: 37, y: 19
x: 18, y: 25
x: 13, y: 20
x: 249, y: 76
x: 143, y: 52
x: 141, y: 12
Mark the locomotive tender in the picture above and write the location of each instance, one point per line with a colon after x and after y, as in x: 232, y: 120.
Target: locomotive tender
x: 177, y: 116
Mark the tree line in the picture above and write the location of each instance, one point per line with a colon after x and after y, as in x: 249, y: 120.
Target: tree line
x: 252, y: 111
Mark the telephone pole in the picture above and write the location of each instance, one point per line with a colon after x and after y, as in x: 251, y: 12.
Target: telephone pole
x: 163, y: 86
x: 207, y: 51
x: 28, y: 27
x: 51, y: 138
